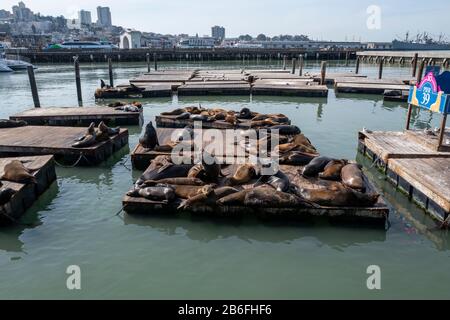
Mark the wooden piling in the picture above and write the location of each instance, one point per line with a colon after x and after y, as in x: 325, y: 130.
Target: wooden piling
x: 357, y: 66
x: 284, y: 62
x: 78, y: 80
x: 414, y: 65
x: 300, y: 65
x: 33, y: 85
x: 294, y: 64
x: 156, y: 61
x: 380, y: 68
x: 110, y: 68
x: 346, y: 58
x: 323, y: 71
x: 148, y: 62
x: 420, y: 72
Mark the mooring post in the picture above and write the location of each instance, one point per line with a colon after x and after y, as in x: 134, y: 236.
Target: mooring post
x: 294, y: 65
x: 284, y: 62
x: 442, y: 132
x: 357, y: 65
x: 78, y: 80
x: 408, y: 116
x: 34, y: 91
x: 300, y: 65
x: 148, y: 62
x: 346, y: 58
x: 323, y: 72
x: 380, y: 68
x: 156, y: 61
x: 110, y: 68
x: 420, y: 72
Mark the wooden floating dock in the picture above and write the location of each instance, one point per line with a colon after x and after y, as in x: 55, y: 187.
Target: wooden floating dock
x: 411, y: 165
x: 289, y: 89
x: 368, y: 88
x: 376, y: 214
x: 205, y: 88
x: 26, y: 195
x: 45, y: 140
x: 78, y: 116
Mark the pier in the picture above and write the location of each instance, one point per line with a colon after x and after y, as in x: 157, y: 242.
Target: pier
x: 58, y: 141
x: 78, y: 116
x: 26, y: 194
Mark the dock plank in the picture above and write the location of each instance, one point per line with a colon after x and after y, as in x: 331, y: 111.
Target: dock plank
x: 61, y: 116
x: 368, y: 88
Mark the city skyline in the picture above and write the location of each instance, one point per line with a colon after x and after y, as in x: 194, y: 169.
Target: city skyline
x: 348, y: 22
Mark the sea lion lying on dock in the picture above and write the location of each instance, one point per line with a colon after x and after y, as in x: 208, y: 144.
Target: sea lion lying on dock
x: 187, y: 192
x: 352, y: 177
x: 89, y: 139
x: 15, y: 171
x: 176, y: 181
x: 206, y: 197
x: 165, y: 194
x: 342, y: 197
x: 5, y: 195
x: 234, y: 199
x: 150, y: 138
x: 278, y: 181
x: 315, y: 166
x: 171, y: 171
x: 286, y: 129
x: 206, y: 170
x: 244, y: 173
x: 269, y: 198
x: 297, y: 158
x: 332, y: 170
x: 5, y: 123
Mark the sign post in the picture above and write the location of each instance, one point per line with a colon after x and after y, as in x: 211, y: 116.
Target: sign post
x: 429, y: 95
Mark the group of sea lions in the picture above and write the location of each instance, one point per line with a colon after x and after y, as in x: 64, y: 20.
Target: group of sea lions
x: 93, y: 135
x: 245, y: 115
x: 134, y: 106
x: 204, y: 183
x: 105, y: 91
x: 14, y: 171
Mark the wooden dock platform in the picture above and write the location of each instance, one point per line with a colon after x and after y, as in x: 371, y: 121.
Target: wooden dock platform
x: 289, y: 88
x: 206, y: 88
x: 45, y: 140
x: 26, y: 195
x: 368, y: 88
x: 78, y: 116
x: 376, y: 214
x: 418, y: 170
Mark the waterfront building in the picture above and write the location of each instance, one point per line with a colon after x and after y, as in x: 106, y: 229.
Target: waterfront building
x: 379, y: 45
x: 130, y: 39
x: 22, y: 13
x: 218, y: 32
x: 104, y: 17
x: 84, y: 17
x: 292, y: 44
x: 197, y: 42
x: 73, y: 24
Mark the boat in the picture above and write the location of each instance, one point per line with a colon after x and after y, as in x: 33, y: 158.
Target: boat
x: 82, y: 45
x: 4, y: 67
x: 8, y: 65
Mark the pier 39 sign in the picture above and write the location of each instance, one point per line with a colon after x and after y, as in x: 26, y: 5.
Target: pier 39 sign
x: 429, y: 95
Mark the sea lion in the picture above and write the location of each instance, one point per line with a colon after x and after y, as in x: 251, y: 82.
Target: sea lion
x: 175, y: 181
x: 88, y: 139
x: 5, y: 195
x: 195, y: 171
x: 5, y: 123
x: 245, y: 113
x: 297, y: 158
x: 279, y: 118
x: 205, y: 196
x: 187, y: 132
x: 150, y: 138
x: 232, y: 119
x: 186, y: 192
x: 15, y: 171
x: 224, y: 191
x: 263, y: 123
x: 278, y: 181
x: 301, y: 139
x: 339, y: 198
x: 200, y: 117
x: 332, y: 170
x: 286, y: 129
x: 219, y: 116
x: 172, y: 171
x: 183, y: 116
x: 315, y: 166
x: 165, y: 194
x: 175, y: 112
x: 110, y: 131
x: 268, y: 198
x: 352, y: 177
x: 234, y: 199
x: 244, y: 173
x: 286, y: 147
x: 211, y: 167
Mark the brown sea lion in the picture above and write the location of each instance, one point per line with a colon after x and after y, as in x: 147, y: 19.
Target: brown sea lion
x: 165, y: 194
x: 224, y: 191
x: 206, y: 196
x: 352, y: 177
x: 332, y: 170
x: 269, y: 198
x: 171, y: 171
x: 297, y: 158
x: 301, y: 139
x: 286, y: 147
x: 315, y: 166
x: 186, y: 192
x: 344, y: 197
x: 176, y: 181
x: 15, y: 171
x: 234, y: 199
x: 231, y: 118
x: 196, y: 171
x: 150, y: 138
x: 175, y: 112
x: 88, y: 139
x: 244, y: 173
x: 5, y: 195
x: 183, y: 116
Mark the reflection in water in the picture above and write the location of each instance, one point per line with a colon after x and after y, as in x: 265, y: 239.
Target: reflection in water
x: 10, y: 235
x: 319, y: 112
x: 206, y: 229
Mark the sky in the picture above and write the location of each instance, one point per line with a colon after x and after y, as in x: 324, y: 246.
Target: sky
x: 337, y: 20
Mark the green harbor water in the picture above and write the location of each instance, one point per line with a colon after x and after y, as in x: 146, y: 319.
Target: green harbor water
x: 148, y: 257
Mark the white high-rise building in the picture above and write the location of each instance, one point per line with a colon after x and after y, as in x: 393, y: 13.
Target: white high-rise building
x: 84, y: 17
x: 104, y: 17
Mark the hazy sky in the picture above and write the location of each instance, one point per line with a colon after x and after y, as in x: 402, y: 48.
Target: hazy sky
x: 320, y: 19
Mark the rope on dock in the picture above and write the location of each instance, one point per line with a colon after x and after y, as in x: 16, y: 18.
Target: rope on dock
x: 125, y: 161
x: 73, y: 165
x: 375, y: 161
x: 446, y: 223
